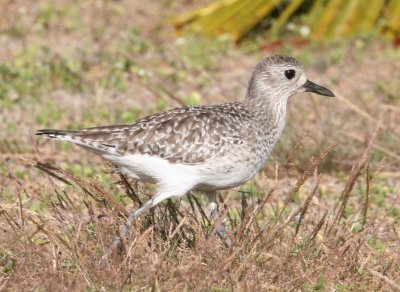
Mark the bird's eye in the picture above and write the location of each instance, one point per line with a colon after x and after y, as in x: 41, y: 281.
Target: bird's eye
x: 289, y: 74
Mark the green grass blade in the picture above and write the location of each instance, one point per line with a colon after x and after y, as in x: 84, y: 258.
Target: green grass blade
x: 371, y: 16
x: 392, y: 28
x: 327, y: 18
x: 250, y: 19
x: 346, y: 19
x: 284, y: 16
x: 215, y: 24
x: 201, y: 12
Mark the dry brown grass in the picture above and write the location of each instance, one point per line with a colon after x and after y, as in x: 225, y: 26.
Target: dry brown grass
x: 324, y: 215
x: 280, y: 246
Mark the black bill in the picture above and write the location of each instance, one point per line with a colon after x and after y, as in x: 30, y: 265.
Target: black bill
x: 313, y: 87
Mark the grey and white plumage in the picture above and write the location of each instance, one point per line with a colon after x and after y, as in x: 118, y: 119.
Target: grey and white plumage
x: 204, y: 148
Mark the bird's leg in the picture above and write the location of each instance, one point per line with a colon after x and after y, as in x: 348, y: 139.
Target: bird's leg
x: 128, y: 223
x: 211, y: 196
x: 220, y: 228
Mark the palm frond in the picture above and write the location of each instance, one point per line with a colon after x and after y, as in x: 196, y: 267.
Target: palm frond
x: 325, y: 19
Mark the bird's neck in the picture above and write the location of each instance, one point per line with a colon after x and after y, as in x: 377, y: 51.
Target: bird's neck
x: 268, y: 109
x: 269, y: 116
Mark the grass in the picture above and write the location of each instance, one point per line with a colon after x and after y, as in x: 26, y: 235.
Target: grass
x: 174, y: 245
x: 323, y: 215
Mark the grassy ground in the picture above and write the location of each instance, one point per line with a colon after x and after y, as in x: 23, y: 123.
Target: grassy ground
x: 323, y: 215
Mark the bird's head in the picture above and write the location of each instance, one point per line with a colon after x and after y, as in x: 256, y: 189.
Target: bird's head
x: 279, y: 77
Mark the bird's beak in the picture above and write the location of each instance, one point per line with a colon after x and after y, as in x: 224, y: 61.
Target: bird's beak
x: 310, y: 86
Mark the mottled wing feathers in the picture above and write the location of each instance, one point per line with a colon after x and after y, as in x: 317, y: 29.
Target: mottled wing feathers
x: 188, y: 135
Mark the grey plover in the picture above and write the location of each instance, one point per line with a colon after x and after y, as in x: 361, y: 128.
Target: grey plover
x: 206, y: 147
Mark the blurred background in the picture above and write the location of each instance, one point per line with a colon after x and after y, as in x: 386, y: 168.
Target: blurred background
x: 71, y: 64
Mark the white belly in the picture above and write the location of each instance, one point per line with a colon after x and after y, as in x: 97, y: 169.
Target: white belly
x: 225, y: 176
x: 177, y: 178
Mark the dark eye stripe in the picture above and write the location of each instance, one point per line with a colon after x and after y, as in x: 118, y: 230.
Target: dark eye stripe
x: 289, y: 74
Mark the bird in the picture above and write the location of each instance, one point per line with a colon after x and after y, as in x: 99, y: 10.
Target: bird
x: 204, y: 147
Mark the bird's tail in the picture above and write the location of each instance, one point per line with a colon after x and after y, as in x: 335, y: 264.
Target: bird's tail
x: 90, y: 138
x: 63, y: 135
x: 55, y: 134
